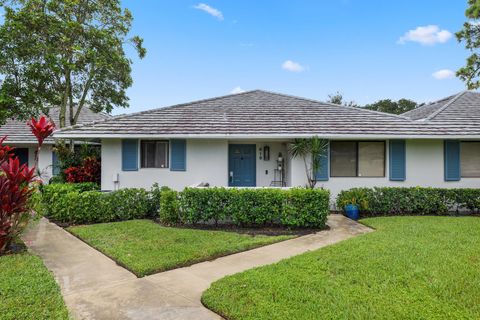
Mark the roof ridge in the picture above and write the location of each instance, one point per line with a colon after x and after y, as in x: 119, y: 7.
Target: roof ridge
x: 121, y: 116
x: 433, y: 115
x: 422, y: 105
x: 339, y: 105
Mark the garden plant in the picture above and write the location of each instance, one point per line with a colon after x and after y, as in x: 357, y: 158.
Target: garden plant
x: 17, y: 185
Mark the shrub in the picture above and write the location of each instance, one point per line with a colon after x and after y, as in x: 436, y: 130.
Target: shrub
x: 256, y: 206
x: 82, y: 203
x: 129, y: 203
x: 17, y: 185
x: 88, y: 171
x: 306, y: 208
x: 415, y: 200
x: 168, y: 212
x: 52, y: 193
x: 296, y: 207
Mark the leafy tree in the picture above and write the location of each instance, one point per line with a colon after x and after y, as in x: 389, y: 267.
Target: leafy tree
x: 470, y: 34
x: 66, y: 53
x: 310, y: 150
x: 390, y: 106
x: 337, y: 98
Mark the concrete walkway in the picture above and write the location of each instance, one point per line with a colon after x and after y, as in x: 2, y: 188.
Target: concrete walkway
x: 95, y: 287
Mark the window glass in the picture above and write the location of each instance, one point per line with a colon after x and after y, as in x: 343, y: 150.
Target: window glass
x: 470, y: 159
x: 22, y: 154
x: 343, y: 158
x: 154, y: 154
x: 371, y: 159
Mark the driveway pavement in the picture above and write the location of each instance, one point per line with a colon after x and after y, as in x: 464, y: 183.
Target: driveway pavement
x: 95, y: 287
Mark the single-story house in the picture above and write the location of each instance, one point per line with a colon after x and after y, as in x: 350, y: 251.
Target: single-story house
x: 242, y: 140
x: 19, y: 136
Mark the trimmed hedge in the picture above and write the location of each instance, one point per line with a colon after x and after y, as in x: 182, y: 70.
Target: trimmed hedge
x: 81, y: 203
x: 415, y: 200
x: 296, y: 207
x: 78, y: 203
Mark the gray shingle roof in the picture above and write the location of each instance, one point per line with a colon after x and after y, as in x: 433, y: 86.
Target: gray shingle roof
x: 258, y: 113
x: 19, y: 132
x: 460, y: 112
x: 425, y: 110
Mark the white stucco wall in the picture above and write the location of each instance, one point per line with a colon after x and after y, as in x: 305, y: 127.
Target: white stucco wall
x: 44, y: 159
x: 207, y: 161
x: 424, y: 167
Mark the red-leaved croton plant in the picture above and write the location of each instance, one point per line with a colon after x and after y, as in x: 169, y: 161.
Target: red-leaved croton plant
x: 16, y: 185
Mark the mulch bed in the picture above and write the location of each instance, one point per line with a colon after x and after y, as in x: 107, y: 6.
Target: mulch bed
x: 266, y: 230
x: 269, y: 230
x: 16, y: 247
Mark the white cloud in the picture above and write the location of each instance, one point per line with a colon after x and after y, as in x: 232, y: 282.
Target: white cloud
x: 237, y: 90
x: 426, y: 35
x: 444, y: 74
x: 292, y: 66
x: 210, y: 10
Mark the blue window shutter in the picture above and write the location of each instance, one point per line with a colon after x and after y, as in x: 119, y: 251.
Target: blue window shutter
x: 55, y: 164
x: 129, y: 155
x: 452, y: 160
x: 178, y: 158
x: 397, y: 160
x: 322, y: 173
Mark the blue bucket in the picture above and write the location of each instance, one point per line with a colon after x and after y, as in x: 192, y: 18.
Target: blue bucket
x: 351, y: 211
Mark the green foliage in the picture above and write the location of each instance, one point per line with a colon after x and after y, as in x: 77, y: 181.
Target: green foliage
x: 415, y: 200
x: 390, y: 106
x: 306, y: 208
x: 145, y: 247
x: 256, y: 207
x: 337, y: 98
x: 168, y: 212
x: 28, y: 289
x: 82, y: 203
x: 355, y: 196
x: 74, y: 158
x: 53, y: 193
x: 64, y: 53
x: 36, y: 204
x: 297, y: 207
x: 408, y: 268
x: 155, y: 195
x: 470, y: 35
x: 126, y: 204
x: 310, y: 150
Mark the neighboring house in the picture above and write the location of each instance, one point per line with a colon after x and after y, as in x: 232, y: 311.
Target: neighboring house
x: 19, y: 136
x: 242, y: 140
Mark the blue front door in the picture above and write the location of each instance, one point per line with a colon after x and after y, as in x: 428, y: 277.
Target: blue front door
x: 241, y: 165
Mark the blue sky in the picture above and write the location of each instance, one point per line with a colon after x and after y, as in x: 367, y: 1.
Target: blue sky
x: 368, y: 50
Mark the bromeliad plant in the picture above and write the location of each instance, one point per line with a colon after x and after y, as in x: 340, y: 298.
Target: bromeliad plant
x: 17, y: 186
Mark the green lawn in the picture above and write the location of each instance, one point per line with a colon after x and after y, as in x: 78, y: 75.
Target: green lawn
x: 28, y: 290
x: 145, y: 247
x: 410, y: 268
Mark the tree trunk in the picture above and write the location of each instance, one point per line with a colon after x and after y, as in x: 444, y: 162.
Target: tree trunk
x: 66, y: 94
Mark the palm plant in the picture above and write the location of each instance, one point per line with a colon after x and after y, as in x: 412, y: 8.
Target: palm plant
x: 310, y: 150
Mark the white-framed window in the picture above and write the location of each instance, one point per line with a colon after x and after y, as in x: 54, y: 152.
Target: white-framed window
x: 154, y: 153
x: 470, y: 159
x: 357, y: 158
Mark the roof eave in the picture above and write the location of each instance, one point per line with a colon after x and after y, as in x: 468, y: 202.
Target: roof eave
x: 66, y: 135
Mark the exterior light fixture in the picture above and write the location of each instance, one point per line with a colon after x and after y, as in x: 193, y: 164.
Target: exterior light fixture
x: 266, y: 153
